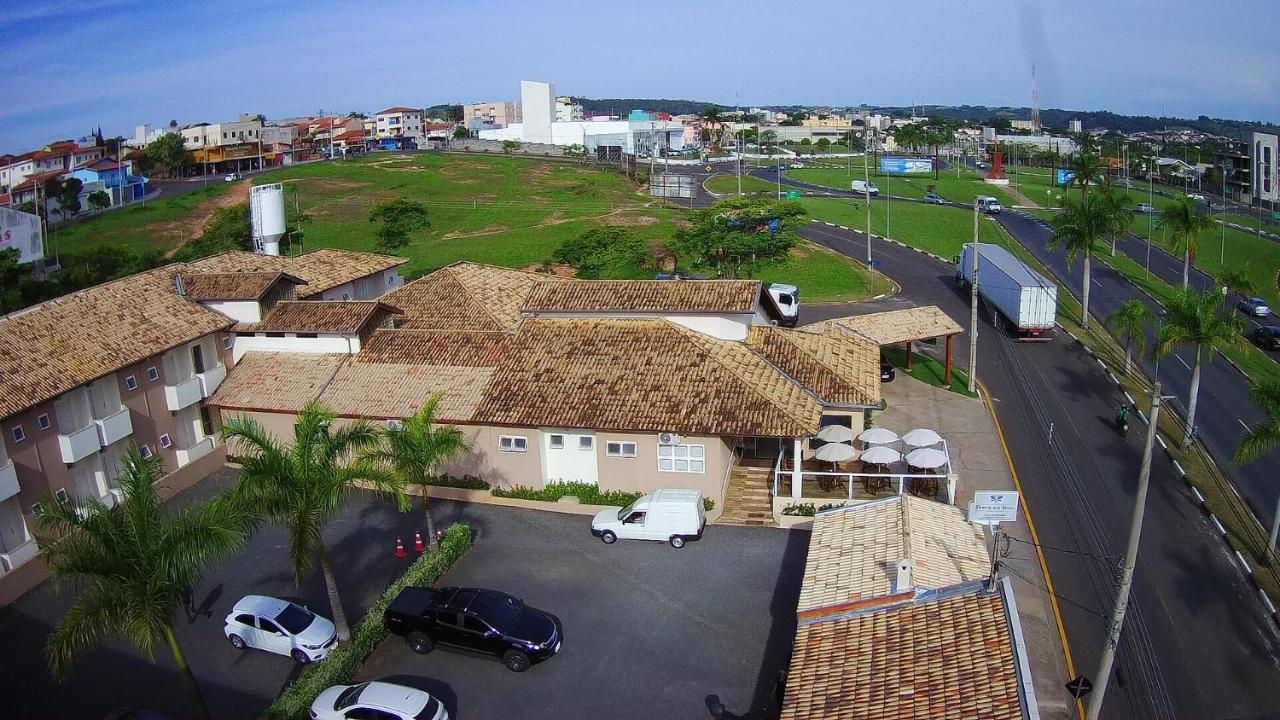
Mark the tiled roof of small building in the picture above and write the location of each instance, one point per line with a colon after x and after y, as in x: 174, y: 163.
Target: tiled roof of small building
x: 276, y: 382
x: 320, y: 316
x: 895, y: 326
x: 840, y: 369
x: 398, y: 390
x: 676, y: 296
x: 321, y: 269
x: 466, y: 296
x: 233, y: 286
x: 435, y: 347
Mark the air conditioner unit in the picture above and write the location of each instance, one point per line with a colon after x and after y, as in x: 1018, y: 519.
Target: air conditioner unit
x: 395, y: 424
x: 669, y: 438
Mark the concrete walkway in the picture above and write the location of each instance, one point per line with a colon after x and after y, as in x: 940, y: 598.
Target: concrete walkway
x: 978, y: 457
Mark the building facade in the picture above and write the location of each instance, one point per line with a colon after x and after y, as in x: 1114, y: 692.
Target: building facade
x: 1266, y: 181
x: 398, y: 122
x: 500, y: 114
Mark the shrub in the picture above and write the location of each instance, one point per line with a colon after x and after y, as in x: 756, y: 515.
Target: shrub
x: 343, y: 663
x: 466, y: 482
x: 800, y: 509
x: 708, y: 504
x: 588, y: 493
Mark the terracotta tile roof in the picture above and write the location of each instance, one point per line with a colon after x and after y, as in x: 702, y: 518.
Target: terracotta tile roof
x: 839, y: 368
x: 945, y: 657
x: 895, y: 326
x: 713, y: 296
x: 275, y: 382
x: 61, y: 344
x: 394, y: 390
x: 435, y: 347
x: 466, y: 296
x: 233, y: 286
x: 321, y: 269
x: 854, y: 551
x: 398, y: 109
x: 321, y: 316
x: 642, y: 375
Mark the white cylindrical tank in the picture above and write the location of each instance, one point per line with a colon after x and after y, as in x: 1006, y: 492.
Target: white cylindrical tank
x: 266, y: 208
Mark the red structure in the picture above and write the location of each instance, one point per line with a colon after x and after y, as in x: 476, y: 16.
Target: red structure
x: 400, y: 548
x: 418, y: 545
x: 997, y: 163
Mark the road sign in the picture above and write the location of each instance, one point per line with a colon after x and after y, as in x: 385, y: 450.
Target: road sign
x: 1079, y: 687
x: 1275, y: 216
x: 991, y: 507
x: 795, y: 195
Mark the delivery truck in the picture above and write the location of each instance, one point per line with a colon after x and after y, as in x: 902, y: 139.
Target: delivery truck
x: 1027, y: 301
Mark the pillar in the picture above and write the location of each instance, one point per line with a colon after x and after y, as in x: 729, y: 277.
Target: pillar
x: 795, y: 471
x: 907, y: 347
x: 946, y: 373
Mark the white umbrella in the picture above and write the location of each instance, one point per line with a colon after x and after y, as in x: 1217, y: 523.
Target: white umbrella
x: 878, y: 436
x: 835, y: 433
x: 921, y: 437
x: 881, y: 455
x: 927, y: 458
x: 835, y: 452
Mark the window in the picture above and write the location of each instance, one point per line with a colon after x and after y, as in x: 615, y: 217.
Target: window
x: 366, y: 713
x: 586, y: 442
x: 227, y: 342
x: 18, y: 434
x: 153, y: 374
x: 131, y: 383
x: 245, y: 620
x: 43, y: 421
x: 275, y: 334
x: 37, y: 510
x: 145, y: 451
x: 165, y: 442
x: 474, y: 624
x: 447, y: 617
x: 557, y: 442
x: 267, y: 626
x: 635, y: 518
x: 682, y: 458
x: 307, y: 335
x: 391, y: 279
x: 61, y: 496
x: 620, y: 449
x: 513, y: 443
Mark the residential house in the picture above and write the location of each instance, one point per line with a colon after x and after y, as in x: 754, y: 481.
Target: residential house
x: 225, y: 146
x: 58, y: 157
x: 113, y: 177
x: 398, y: 122
x: 499, y: 115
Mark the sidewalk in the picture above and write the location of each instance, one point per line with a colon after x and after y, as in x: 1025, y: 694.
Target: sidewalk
x: 978, y: 456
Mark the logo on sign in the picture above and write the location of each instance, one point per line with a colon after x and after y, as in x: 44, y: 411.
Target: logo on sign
x: 992, y: 507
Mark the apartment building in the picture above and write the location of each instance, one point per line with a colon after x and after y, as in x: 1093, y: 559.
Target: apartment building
x: 58, y: 157
x: 569, y: 111
x: 396, y: 122
x: 499, y: 114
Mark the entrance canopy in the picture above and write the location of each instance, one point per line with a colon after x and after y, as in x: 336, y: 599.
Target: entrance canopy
x: 897, y: 326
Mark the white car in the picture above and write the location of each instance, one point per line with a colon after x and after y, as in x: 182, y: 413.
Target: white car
x: 1146, y: 208
x: 1196, y: 196
x: 376, y: 701
x: 672, y: 516
x: 232, y: 177
x: 281, y: 627
x: 797, y: 166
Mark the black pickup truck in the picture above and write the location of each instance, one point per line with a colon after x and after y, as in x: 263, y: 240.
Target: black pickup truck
x: 484, y: 621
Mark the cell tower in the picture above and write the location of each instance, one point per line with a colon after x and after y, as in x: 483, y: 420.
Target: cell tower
x: 1035, y: 102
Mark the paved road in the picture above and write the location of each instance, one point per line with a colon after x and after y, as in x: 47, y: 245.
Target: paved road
x: 1198, y: 643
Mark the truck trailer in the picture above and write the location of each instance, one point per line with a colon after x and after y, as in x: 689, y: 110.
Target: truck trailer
x: 1025, y: 298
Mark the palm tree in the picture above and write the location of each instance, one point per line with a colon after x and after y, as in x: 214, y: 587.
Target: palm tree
x: 1130, y: 320
x: 1119, y: 213
x: 416, y: 448
x: 1237, y: 280
x: 134, y: 563
x: 1078, y: 228
x: 1264, y: 436
x: 1198, y: 320
x: 1184, y: 224
x: 1089, y: 170
x: 712, y: 116
x: 300, y: 487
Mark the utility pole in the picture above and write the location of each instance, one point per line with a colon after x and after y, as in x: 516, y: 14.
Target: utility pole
x: 1126, y: 568
x: 866, y: 189
x: 973, y: 306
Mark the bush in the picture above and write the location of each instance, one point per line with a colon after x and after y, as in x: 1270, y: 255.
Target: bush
x: 343, y: 663
x: 708, y: 504
x: 588, y: 493
x: 466, y: 482
x: 808, y: 510
x: 602, y: 251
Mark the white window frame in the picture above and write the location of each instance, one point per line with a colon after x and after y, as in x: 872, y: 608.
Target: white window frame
x: 42, y: 421
x: 165, y: 441
x: 618, y: 449
x: 688, y: 455
x: 17, y: 433
x: 62, y: 496
x: 37, y: 509
x: 513, y: 443
x: 130, y: 383
x: 586, y: 443
x: 228, y: 341
x: 145, y: 451
x: 555, y: 441
x: 153, y: 374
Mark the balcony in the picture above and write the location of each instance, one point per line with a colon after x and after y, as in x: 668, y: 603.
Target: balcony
x: 211, y: 379
x: 8, y: 481
x: 182, y: 394
x: 114, y: 427
x: 78, y: 445
x: 19, y: 555
x: 195, y: 452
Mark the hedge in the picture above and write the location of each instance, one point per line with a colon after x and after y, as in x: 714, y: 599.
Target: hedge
x: 343, y: 663
x: 466, y: 482
x: 587, y: 493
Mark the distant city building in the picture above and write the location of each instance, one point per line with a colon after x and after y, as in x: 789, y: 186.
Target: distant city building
x: 1265, y: 179
x: 567, y: 110
x: 500, y: 114
x: 51, y: 160
x: 144, y: 135
x: 396, y: 122
x: 1075, y: 126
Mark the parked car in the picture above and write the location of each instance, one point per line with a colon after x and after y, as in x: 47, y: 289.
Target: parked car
x: 887, y: 371
x: 232, y: 177
x: 797, y: 166
x: 484, y: 621
x: 376, y: 701
x: 1255, y: 306
x: 864, y: 187
x: 1146, y: 208
x: 281, y: 627
x: 672, y: 516
x: 1196, y: 196
x: 934, y: 199
x: 1266, y: 337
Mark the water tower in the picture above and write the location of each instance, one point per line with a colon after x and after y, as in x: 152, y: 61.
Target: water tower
x: 266, y: 214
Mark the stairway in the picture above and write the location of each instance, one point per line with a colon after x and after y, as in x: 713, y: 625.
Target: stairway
x: 747, y: 501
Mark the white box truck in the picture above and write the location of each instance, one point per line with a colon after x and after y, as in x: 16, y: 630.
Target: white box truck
x: 1027, y: 300
x: 667, y: 515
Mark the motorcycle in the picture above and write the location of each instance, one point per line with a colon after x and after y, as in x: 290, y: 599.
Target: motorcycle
x: 1122, y: 424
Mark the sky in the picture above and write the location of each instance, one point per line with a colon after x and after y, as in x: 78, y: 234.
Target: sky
x: 67, y: 66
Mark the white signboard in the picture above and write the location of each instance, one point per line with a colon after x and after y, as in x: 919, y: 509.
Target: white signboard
x: 21, y: 231
x: 991, y: 507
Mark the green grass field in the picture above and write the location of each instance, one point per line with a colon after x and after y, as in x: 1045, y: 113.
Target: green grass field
x: 158, y: 224
x: 728, y: 185
x: 938, y: 229
x: 962, y: 189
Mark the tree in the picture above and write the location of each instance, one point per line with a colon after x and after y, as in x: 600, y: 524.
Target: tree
x: 823, y: 142
x: 1265, y: 435
x: 263, y: 118
x: 575, y: 150
x: 416, y: 448
x: 167, y: 152
x: 68, y: 196
x: 1130, y: 321
x: 173, y: 123
x: 399, y: 217
x: 11, y: 275
x: 134, y: 563
x: 713, y: 124
x: 1197, y: 320
x: 596, y: 251
x: 1078, y: 228
x: 738, y: 233
x: 1089, y: 170
x: 1119, y: 213
x: 461, y: 133
x: 1237, y: 280
x: 301, y: 486
x: 510, y: 146
x: 1185, y: 223
x: 99, y: 200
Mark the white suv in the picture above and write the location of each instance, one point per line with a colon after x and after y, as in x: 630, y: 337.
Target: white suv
x: 281, y: 627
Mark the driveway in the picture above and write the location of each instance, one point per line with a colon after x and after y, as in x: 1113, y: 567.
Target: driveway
x: 649, y: 631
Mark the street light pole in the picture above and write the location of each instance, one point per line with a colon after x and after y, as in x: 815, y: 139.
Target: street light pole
x: 1127, y: 566
x: 973, y: 306
x: 866, y: 191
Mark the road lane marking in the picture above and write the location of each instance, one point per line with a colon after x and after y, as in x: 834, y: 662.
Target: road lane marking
x: 1184, y: 362
x: 1246, y: 425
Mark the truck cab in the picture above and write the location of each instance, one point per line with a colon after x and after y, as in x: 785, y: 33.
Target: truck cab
x: 989, y: 205
x: 787, y: 300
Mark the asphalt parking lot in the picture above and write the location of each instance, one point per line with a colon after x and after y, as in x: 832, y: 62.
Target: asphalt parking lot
x: 647, y: 627
x: 649, y: 631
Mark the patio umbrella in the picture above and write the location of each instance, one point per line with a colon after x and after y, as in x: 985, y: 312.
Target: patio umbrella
x: 921, y: 437
x: 927, y: 458
x: 835, y: 434
x: 836, y: 452
x: 878, y: 436
x: 881, y: 455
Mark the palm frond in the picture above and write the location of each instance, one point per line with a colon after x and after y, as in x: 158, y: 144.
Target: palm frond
x: 97, y: 614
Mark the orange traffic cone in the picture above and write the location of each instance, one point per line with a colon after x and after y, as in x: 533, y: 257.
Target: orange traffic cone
x: 400, y: 548
x: 418, y: 545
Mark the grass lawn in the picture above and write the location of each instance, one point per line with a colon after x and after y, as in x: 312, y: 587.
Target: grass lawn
x: 727, y: 184
x: 825, y: 276
x: 815, y: 149
x: 928, y: 370
x: 938, y: 229
x: 159, y: 224
x: 962, y: 189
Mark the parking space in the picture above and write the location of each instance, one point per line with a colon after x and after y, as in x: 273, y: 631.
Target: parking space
x: 649, y: 631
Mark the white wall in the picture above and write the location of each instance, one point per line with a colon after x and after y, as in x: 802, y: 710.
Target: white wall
x: 1265, y: 175
x: 382, y: 283
x: 725, y: 326
x: 569, y: 463
x: 246, y: 311
x: 324, y: 344
x: 538, y: 110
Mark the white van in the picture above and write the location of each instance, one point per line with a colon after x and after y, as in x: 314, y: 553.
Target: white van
x: 667, y: 515
x: 787, y: 299
x: 989, y: 205
x: 863, y: 187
